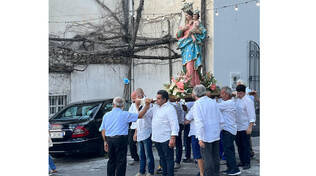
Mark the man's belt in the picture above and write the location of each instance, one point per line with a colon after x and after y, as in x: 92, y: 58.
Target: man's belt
x: 116, y: 136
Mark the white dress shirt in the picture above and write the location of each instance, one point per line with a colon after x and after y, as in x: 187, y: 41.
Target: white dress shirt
x: 133, y: 109
x: 229, y: 114
x: 189, y: 105
x: 190, y: 117
x: 207, y: 119
x: 180, y: 112
x: 245, y: 113
x: 144, y: 127
x: 164, y: 122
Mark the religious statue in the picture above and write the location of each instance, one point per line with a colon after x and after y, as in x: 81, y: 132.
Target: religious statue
x: 190, y: 37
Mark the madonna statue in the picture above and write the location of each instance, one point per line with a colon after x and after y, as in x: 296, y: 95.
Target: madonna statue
x: 190, y: 38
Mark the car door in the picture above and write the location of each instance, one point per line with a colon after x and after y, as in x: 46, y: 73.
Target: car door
x: 106, y: 107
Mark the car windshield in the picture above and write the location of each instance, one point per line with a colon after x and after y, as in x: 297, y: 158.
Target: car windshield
x: 78, y: 112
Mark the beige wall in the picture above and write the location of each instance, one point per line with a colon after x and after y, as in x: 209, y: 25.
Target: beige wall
x: 148, y: 74
x: 161, y: 7
x: 152, y: 74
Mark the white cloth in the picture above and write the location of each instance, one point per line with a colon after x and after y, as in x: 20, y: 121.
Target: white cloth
x: 164, y: 122
x: 180, y: 112
x: 245, y: 113
x: 133, y: 109
x: 189, y: 105
x: 207, y: 119
x: 189, y: 116
x: 143, y: 127
x: 229, y: 114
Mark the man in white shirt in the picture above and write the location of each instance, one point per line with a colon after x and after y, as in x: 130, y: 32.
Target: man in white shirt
x: 179, y: 147
x: 207, y: 125
x: 131, y: 131
x: 186, y: 130
x: 246, y: 118
x: 189, y: 118
x: 228, y: 134
x: 165, y: 128
x: 253, y: 96
x: 143, y: 137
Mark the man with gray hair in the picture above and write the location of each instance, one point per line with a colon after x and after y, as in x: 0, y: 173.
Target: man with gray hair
x: 207, y: 124
x: 114, y: 129
x: 228, y: 134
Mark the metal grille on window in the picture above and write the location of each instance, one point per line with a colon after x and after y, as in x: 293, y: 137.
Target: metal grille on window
x: 254, y: 68
x: 56, y: 103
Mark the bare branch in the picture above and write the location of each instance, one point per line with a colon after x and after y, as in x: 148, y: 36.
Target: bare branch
x: 110, y: 11
x: 139, y: 15
x: 157, y: 57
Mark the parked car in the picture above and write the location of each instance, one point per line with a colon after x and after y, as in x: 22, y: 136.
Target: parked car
x: 75, y: 128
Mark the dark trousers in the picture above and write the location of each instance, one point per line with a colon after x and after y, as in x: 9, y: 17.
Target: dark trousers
x: 187, y: 141
x: 146, y: 154
x: 210, y: 155
x: 242, y: 142
x: 117, y: 156
x: 179, y: 147
x: 229, y: 150
x: 221, y: 148
x: 166, y: 155
x: 132, y: 145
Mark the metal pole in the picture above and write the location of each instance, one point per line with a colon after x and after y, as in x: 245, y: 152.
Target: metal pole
x: 169, y: 54
x: 203, y: 21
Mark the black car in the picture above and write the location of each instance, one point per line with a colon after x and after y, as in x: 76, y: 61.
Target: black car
x: 75, y: 128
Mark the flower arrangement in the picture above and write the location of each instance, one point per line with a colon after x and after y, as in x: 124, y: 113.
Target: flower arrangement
x: 209, y: 81
x: 180, y: 87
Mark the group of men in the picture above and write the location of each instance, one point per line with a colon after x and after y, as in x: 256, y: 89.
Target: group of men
x: 161, y: 122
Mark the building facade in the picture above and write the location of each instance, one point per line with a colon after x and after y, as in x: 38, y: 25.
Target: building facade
x: 226, y: 47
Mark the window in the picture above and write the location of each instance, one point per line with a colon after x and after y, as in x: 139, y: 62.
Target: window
x: 56, y: 103
x: 234, y: 77
x: 78, y: 112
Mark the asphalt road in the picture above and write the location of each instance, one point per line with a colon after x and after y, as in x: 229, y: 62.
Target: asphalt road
x: 77, y: 165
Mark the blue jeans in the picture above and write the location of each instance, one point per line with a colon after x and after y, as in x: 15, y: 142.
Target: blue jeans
x: 179, y: 147
x: 145, y: 153
x: 51, y: 163
x: 196, y: 148
x: 166, y: 155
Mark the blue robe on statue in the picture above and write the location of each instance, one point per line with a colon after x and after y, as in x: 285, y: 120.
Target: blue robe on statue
x: 192, y: 50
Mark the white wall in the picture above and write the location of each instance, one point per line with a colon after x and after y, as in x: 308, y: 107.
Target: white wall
x: 98, y: 81
x: 59, y: 84
x: 232, y: 32
x: 63, y: 13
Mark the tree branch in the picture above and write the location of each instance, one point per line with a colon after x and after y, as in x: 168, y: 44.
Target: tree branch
x: 139, y: 15
x: 157, y: 57
x: 110, y: 11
